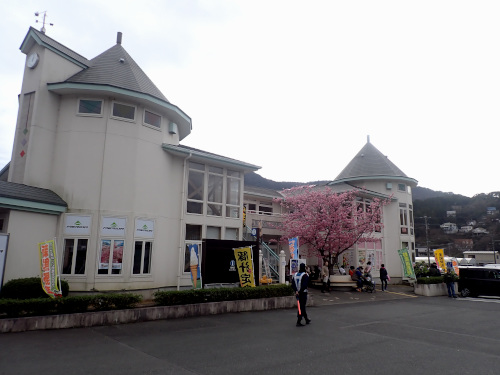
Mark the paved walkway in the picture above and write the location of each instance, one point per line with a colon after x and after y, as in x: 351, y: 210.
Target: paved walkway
x: 340, y: 297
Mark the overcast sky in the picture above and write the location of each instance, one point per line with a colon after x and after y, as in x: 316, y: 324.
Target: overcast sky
x: 297, y: 86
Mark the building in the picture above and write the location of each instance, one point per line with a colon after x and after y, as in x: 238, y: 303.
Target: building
x: 97, y: 164
x: 376, y: 176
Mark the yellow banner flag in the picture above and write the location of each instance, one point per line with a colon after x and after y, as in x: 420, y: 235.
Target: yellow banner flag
x: 439, y: 256
x: 48, y: 268
x: 244, y: 264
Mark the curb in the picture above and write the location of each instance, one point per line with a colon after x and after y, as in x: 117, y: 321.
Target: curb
x: 143, y: 314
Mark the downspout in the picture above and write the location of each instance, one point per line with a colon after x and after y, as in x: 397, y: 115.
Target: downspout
x: 183, y: 219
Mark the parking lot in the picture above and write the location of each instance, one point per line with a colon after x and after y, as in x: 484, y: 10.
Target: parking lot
x: 383, y: 333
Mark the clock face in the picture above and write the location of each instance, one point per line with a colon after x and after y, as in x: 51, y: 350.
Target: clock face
x: 33, y: 60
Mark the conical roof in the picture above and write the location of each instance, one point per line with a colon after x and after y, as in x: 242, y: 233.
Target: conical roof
x: 370, y: 163
x: 116, y: 68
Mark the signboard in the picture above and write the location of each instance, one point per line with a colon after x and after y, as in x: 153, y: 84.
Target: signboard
x: 293, y: 247
x: 113, y: 226
x: 244, y: 265
x: 439, y: 257
x: 144, y: 228
x: 48, y: 267
x: 77, y: 225
x: 4, y: 241
x: 194, y: 265
x: 407, y: 264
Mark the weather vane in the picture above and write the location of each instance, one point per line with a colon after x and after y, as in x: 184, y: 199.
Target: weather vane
x: 37, y: 14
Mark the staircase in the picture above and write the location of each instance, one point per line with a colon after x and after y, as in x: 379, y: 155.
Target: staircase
x: 270, y: 259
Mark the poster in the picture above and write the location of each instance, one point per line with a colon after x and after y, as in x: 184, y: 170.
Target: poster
x: 244, y: 264
x: 293, y: 247
x: 194, y: 265
x: 48, y: 268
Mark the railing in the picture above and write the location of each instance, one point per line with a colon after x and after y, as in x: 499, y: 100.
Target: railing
x: 272, y: 259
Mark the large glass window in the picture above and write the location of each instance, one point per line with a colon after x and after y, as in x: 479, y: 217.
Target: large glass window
x: 142, y: 257
x: 403, y: 218
x: 213, y: 233
x: 111, y: 257
x: 215, y: 192
x: 233, y: 194
x: 75, y: 256
x: 232, y: 234
x: 196, y: 183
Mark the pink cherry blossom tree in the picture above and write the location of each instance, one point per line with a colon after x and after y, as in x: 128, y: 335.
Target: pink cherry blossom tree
x: 329, y: 222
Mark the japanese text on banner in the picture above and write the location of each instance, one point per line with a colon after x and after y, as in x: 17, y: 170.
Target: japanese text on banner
x: 407, y: 264
x: 244, y: 265
x: 439, y: 256
x: 48, y: 268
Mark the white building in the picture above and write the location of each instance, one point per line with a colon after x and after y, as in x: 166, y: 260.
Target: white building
x: 97, y: 165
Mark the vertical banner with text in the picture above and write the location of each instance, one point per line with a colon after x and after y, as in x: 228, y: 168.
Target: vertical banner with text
x: 407, y: 264
x: 439, y: 257
x: 48, y: 268
x: 244, y: 264
x: 293, y: 247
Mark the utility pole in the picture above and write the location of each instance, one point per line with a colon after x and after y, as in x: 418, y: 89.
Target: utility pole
x: 427, y: 241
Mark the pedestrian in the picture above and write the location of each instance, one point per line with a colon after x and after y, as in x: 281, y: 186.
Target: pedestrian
x: 342, y: 270
x: 368, y: 269
x: 358, y: 277
x: 325, y: 274
x: 384, y: 276
x: 299, y: 284
x: 449, y: 279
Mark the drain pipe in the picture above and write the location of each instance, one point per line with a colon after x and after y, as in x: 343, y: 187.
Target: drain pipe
x: 182, y: 232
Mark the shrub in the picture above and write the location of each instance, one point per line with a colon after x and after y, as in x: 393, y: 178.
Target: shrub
x: 185, y: 297
x: 27, y: 288
x: 430, y: 280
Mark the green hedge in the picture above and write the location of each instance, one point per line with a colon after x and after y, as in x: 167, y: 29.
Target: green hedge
x: 67, y: 305
x: 185, y: 297
x: 28, y: 288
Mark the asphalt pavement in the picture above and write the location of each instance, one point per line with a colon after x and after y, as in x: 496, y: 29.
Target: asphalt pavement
x: 351, y: 333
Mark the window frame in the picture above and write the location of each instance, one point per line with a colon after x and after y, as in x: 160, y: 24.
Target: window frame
x: 110, y: 264
x: 123, y: 118
x: 84, y: 114
x: 74, y: 256
x: 148, y: 125
x: 143, y: 242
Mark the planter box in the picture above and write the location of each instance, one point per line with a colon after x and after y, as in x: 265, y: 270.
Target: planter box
x: 432, y: 290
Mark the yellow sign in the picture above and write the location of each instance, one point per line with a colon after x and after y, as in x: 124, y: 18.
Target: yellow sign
x: 439, y: 256
x: 244, y: 264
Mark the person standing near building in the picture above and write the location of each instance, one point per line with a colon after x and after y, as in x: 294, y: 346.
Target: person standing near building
x: 450, y: 283
x: 325, y: 274
x: 384, y: 276
x: 299, y: 284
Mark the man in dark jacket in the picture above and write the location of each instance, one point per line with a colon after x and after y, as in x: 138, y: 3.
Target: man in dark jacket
x: 299, y: 284
x: 450, y: 283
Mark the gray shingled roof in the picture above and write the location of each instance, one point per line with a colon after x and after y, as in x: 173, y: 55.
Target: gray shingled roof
x: 254, y: 190
x: 50, y: 43
x: 29, y: 193
x: 370, y: 162
x: 107, y: 69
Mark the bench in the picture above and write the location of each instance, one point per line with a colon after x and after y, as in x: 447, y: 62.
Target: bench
x: 342, y: 282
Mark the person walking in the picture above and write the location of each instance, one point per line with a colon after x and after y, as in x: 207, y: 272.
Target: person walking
x: 450, y: 283
x: 299, y: 285
x: 325, y: 273
x: 384, y: 276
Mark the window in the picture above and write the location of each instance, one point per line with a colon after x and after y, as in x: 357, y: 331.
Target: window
x: 142, y: 257
x: 123, y: 111
x: 266, y: 210
x: 403, y: 218
x: 232, y: 234
x: 401, y: 187
x: 196, y: 183
x: 89, y: 107
x: 111, y: 257
x: 75, y: 256
x: 213, y: 233
x: 233, y: 189
x: 215, y: 186
x: 152, y: 119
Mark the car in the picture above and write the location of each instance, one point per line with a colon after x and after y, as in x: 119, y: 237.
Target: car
x: 475, y: 281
